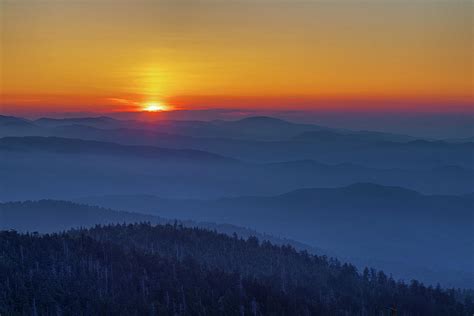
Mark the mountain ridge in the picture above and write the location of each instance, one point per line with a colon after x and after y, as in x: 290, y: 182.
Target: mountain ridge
x: 74, y: 145
x: 360, y: 220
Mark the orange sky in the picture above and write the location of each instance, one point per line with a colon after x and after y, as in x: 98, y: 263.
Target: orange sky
x: 109, y: 55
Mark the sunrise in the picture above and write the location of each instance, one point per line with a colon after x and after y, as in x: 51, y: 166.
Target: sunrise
x: 236, y: 157
x: 81, y: 53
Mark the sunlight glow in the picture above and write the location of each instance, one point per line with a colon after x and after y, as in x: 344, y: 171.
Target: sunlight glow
x: 155, y: 107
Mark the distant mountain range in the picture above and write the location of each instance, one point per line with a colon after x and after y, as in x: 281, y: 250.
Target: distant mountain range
x: 35, y: 144
x: 258, y: 139
x: 50, y: 216
x: 358, y: 227
x: 251, y: 128
x: 39, y: 167
x: 379, y: 223
x: 237, y: 172
x: 254, y: 128
x: 98, y: 122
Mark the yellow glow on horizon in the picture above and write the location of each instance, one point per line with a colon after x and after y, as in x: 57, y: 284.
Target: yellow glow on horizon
x: 155, y: 107
x: 76, y: 54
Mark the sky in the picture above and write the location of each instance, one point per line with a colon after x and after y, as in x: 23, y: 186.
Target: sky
x: 112, y: 56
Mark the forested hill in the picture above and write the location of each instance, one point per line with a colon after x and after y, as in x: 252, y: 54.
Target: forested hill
x: 50, y: 216
x: 140, y: 269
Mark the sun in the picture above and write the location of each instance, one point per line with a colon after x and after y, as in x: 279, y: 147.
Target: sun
x: 155, y: 107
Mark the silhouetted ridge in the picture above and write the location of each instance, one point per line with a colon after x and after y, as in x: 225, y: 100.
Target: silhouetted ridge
x: 356, y: 189
x: 54, y: 216
x: 48, y: 216
x: 299, y: 163
x: 78, y: 120
x: 377, y: 189
x: 264, y: 122
x: 420, y: 143
x: 79, y: 146
x: 322, y: 136
x: 99, y: 122
x: 263, y: 119
x: 14, y: 121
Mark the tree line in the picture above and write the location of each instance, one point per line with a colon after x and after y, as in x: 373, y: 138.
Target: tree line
x: 144, y: 269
